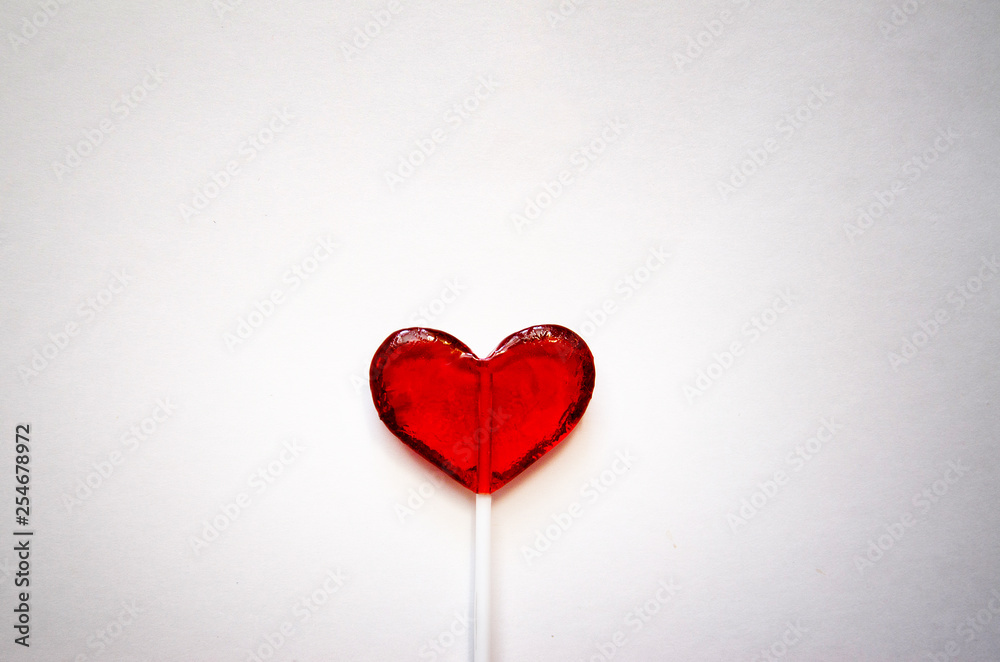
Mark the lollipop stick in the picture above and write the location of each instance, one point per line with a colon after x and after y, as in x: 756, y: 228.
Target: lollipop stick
x: 482, y: 616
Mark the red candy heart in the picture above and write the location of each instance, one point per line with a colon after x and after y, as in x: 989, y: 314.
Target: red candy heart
x: 482, y: 421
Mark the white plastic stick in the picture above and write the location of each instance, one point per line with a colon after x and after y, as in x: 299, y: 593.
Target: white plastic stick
x: 482, y: 590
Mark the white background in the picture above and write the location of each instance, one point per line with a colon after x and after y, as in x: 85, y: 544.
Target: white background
x: 691, y: 115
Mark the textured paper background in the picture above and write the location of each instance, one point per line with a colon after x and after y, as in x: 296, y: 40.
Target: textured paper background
x: 826, y: 106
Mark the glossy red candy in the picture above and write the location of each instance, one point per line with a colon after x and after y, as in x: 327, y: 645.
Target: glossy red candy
x: 482, y: 421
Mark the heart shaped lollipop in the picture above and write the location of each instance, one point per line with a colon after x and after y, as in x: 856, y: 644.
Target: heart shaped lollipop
x: 482, y: 421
